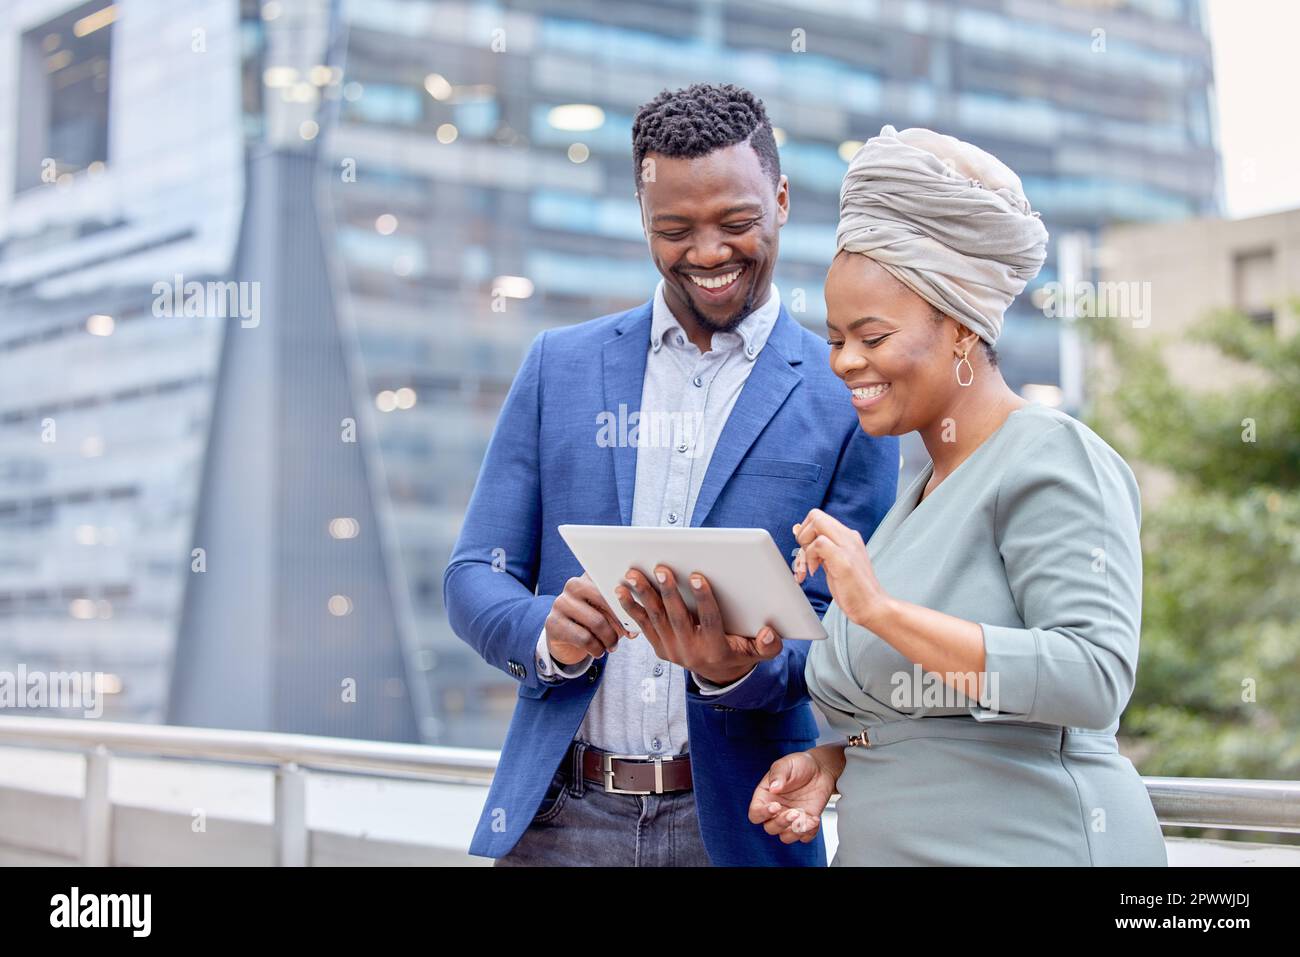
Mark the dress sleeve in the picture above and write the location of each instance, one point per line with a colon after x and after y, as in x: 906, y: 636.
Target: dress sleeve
x: 1067, y: 522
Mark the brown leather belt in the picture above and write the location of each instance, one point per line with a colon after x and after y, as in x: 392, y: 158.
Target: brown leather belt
x: 634, y: 773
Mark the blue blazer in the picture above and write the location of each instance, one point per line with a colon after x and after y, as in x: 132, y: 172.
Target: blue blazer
x: 792, y: 443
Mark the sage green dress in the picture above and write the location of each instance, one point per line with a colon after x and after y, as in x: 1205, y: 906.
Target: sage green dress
x: 1035, y: 537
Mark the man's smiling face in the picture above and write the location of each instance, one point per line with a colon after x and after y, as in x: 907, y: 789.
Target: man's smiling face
x: 713, y: 223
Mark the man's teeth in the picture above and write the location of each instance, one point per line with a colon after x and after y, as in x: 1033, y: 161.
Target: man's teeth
x: 716, y: 282
x: 870, y: 392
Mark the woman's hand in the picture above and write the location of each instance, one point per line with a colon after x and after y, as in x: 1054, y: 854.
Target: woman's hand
x: 830, y: 544
x: 789, y: 801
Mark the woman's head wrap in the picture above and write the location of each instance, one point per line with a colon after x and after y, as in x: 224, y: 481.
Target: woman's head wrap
x: 945, y: 218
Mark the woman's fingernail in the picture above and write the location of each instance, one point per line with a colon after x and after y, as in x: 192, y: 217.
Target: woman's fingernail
x: 776, y: 783
x: 697, y: 582
x: 661, y: 576
x: 767, y: 637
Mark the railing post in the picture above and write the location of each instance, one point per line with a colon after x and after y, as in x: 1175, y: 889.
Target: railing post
x: 96, y: 811
x: 290, y: 823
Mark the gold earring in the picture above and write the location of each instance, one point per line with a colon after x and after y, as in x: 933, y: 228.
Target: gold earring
x: 970, y: 369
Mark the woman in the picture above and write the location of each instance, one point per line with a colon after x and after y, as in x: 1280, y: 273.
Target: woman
x: 983, y: 644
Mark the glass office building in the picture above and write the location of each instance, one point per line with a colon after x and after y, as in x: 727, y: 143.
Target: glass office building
x: 475, y: 186
x: 121, y: 158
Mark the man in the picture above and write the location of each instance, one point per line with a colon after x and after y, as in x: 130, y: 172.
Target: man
x: 764, y: 432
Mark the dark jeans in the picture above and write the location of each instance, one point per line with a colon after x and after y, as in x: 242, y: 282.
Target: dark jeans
x: 580, y: 824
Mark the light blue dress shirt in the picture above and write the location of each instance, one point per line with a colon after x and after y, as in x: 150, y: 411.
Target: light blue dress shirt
x: 640, y: 706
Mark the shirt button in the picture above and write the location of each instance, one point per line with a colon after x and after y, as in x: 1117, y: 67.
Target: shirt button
x: 656, y: 745
x: 750, y: 352
x: 698, y: 382
x: 659, y: 669
x: 672, y: 518
x: 680, y: 340
x: 683, y: 447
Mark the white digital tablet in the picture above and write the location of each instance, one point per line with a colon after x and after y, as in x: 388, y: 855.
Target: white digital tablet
x: 752, y: 581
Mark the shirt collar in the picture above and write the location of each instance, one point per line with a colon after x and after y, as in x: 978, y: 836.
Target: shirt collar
x: 753, y: 330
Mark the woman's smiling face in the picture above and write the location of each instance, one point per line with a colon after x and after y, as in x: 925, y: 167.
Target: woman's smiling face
x: 888, y: 347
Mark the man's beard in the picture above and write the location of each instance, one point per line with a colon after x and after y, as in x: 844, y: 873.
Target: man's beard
x: 731, y: 322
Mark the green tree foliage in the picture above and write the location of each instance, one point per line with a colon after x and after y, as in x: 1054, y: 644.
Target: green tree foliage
x: 1218, y: 691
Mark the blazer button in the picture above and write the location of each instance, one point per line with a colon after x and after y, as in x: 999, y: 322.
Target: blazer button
x: 592, y: 674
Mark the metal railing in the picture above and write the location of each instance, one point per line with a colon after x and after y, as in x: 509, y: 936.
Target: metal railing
x: 290, y: 754
x: 1272, y: 806
x: 1229, y: 803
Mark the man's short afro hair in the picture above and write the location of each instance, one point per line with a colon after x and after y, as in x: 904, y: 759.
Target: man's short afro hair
x: 700, y: 119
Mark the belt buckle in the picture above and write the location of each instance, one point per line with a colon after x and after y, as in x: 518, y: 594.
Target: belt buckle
x: 607, y: 769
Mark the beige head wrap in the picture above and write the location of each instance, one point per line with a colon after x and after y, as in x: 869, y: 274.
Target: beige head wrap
x: 948, y: 220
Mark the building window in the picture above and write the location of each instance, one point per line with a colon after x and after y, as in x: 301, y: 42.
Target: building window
x: 1254, y: 279
x: 63, y: 95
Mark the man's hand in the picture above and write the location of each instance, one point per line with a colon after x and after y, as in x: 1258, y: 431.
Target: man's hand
x: 698, y: 645
x: 581, y: 623
x: 790, y: 799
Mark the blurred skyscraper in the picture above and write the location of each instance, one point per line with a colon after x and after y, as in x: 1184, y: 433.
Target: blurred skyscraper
x: 474, y: 186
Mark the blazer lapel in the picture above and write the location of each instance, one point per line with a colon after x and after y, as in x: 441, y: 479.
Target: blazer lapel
x: 624, y: 377
x: 769, y: 384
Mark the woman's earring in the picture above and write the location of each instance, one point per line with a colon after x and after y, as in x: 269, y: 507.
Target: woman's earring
x: 969, y: 368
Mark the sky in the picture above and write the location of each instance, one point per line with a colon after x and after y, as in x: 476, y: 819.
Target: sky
x: 1256, y: 54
